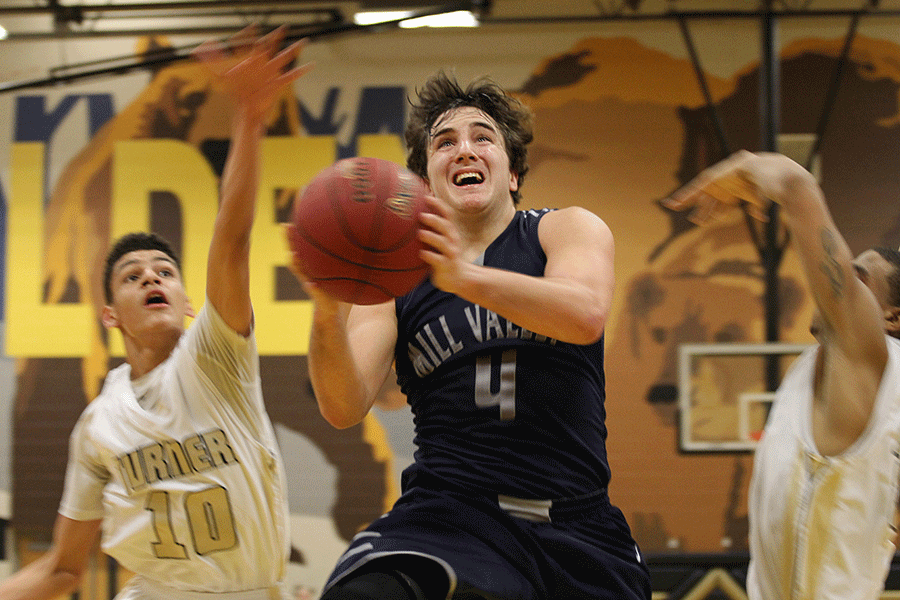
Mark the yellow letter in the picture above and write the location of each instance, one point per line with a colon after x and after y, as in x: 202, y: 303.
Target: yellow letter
x: 282, y: 327
x: 32, y: 327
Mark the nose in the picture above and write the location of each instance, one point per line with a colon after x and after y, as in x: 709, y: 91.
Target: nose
x: 149, y: 277
x: 464, y: 151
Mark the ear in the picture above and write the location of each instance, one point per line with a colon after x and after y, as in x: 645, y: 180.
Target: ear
x: 892, y: 320
x: 513, y: 181
x: 189, y: 310
x: 109, y: 318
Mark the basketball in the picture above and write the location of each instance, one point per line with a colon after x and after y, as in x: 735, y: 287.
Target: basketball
x: 356, y: 226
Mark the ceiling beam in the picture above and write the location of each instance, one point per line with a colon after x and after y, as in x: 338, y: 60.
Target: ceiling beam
x: 199, y: 5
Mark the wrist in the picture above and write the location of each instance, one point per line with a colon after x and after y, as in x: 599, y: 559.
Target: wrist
x: 249, y: 115
x: 329, y: 313
x: 470, y: 282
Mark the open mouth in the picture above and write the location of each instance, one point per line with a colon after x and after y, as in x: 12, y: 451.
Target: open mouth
x: 156, y: 298
x: 468, y: 178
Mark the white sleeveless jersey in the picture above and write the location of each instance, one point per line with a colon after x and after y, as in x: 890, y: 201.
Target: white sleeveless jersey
x: 821, y: 527
x: 185, y: 473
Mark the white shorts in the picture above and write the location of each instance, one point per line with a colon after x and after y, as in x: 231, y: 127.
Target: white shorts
x: 140, y: 588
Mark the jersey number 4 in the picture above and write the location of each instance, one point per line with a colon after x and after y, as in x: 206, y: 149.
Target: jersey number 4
x: 209, y: 518
x: 505, y: 394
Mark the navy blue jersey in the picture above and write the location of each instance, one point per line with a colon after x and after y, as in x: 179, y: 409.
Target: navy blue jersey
x: 498, y: 408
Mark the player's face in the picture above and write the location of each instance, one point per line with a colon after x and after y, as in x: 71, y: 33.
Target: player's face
x: 874, y: 271
x: 467, y: 162
x: 148, y: 295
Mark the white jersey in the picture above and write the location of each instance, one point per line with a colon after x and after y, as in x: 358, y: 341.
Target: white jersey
x: 821, y: 527
x: 183, y: 467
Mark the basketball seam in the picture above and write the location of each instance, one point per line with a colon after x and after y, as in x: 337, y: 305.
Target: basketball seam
x: 312, y: 242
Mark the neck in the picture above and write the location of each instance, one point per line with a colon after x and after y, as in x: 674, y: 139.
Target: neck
x: 478, y: 230
x: 149, y: 354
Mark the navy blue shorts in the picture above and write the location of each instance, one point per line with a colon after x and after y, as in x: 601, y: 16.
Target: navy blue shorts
x: 570, y: 549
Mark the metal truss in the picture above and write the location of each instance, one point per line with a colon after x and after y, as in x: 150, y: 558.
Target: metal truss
x: 73, y: 19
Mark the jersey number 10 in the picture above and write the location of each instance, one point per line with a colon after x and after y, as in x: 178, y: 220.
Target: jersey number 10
x: 209, y: 519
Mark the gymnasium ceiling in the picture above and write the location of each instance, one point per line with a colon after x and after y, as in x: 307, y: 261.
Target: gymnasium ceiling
x: 55, y: 19
x: 27, y: 21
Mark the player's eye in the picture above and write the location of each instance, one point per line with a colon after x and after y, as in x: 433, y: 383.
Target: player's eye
x: 165, y: 272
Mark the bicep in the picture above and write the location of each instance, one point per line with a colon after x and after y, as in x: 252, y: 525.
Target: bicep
x: 73, y: 542
x: 851, y: 315
x: 579, y: 248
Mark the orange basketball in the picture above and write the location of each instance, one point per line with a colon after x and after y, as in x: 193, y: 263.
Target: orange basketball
x: 356, y: 226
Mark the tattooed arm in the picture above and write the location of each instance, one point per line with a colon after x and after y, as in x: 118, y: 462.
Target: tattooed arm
x: 849, y: 321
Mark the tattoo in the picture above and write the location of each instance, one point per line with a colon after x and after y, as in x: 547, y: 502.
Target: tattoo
x: 830, y: 266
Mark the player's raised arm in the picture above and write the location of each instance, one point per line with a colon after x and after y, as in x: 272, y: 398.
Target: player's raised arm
x: 350, y: 351
x: 351, y: 347
x: 849, y: 323
x: 253, y: 78
x: 850, y: 314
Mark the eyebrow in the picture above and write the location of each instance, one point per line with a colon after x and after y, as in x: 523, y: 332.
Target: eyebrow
x: 153, y: 260
x: 482, y: 124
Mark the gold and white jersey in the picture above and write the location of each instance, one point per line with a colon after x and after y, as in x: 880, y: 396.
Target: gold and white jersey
x: 821, y: 527
x: 183, y: 467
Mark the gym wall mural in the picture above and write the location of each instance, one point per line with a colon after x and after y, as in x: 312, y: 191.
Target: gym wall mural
x: 620, y: 123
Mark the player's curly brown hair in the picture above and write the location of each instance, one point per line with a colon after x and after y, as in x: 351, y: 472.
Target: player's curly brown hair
x: 442, y: 93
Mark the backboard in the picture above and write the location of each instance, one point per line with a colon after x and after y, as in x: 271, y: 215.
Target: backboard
x: 722, y: 395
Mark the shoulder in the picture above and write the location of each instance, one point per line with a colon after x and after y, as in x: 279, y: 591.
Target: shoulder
x: 95, y: 417
x: 209, y: 327
x: 572, y: 216
x: 112, y: 386
x: 573, y: 224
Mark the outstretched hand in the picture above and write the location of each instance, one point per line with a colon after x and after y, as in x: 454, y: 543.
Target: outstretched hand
x: 251, y: 68
x: 742, y: 179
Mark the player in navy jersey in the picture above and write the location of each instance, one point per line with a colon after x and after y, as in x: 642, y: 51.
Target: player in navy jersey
x: 500, y: 354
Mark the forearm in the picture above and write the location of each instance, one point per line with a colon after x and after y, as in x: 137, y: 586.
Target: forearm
x: 228, y: 265
x: 341, y: 393
x: 240, y: 179
x: 557, y: 307
x: 253, y: 77
x: 39, y: 581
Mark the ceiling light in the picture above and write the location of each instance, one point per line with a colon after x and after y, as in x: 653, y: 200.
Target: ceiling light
x: 380, y: 16
x: 406, y: 18
x: 3, y: 33
x: 459, y: 18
